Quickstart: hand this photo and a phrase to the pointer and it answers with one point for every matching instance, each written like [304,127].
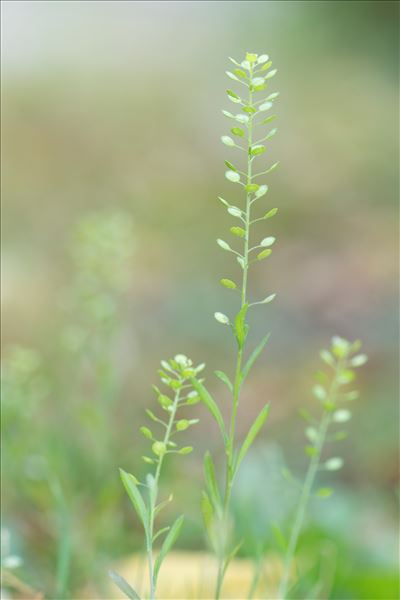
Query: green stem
[307,488]
[230,454]
[153,498]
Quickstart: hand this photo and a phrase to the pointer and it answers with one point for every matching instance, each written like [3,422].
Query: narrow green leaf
[208,517]
[123,585]
[211,405]
[279,536]
[129,483]
[211,480]
[223,377]
[168,543]
[254,355]
[241,328]
[160,532]
[253,431]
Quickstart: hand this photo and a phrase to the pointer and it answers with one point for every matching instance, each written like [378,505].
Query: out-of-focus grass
[111,107]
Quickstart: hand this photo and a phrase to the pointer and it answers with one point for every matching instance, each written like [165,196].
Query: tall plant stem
[153,498]
[307,488]
[230,456]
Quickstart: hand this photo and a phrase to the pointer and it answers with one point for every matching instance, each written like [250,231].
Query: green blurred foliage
[111,121]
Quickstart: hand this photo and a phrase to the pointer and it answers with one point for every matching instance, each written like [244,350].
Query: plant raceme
[248,137]
[333,393]
[176,375]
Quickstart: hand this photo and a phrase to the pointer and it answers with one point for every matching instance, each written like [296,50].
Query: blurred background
[111,168]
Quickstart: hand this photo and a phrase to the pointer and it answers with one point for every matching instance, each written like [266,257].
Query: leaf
[123,585]
[253,431]
[232,555]
[232,176]
[223,377]
[208,517]
[168,543]
[279,537]
[162,505]
[324,492]
[211,405]
[211,481]
[160,532]
[228,283]
[241,328]
[254,355]
[129,483]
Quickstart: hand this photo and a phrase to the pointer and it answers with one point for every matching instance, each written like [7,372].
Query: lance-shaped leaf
[254,355]
[123,586]
[129,483]
[207,511]
[168,543]
[211,405]
[253,431]
[241,327]
[211,481]
[224,377]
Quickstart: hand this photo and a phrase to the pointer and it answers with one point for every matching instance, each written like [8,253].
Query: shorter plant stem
[153,499]
[307,488]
